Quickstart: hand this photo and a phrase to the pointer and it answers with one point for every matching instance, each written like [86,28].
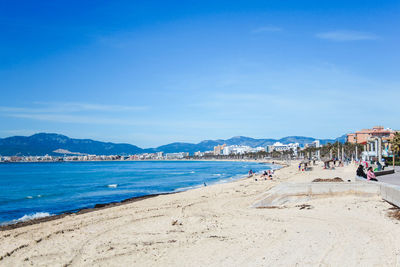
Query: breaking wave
[28,217]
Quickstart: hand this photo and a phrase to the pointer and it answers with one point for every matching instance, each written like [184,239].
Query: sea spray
[36,215]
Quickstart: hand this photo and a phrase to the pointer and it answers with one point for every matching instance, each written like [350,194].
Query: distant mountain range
[47,143]
[56,144]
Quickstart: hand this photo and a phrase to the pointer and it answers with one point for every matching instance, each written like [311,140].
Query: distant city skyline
[156,72]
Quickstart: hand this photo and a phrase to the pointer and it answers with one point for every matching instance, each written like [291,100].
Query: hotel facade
[361,137]
[375,141]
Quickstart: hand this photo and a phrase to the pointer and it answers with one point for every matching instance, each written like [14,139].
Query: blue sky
[155,72]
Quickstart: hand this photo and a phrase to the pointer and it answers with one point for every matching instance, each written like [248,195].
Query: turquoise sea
[33,190]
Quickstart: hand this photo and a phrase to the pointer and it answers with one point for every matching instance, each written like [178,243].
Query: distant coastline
[149,160]
[56,144]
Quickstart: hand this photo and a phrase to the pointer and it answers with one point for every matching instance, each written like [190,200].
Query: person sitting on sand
[371,175]
[360,172]
[264,175]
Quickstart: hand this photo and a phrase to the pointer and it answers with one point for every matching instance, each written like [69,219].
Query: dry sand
[215,226]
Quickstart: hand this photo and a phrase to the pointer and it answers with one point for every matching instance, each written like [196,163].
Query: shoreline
[147,160]
[98,206]
[217,226]
[101,206]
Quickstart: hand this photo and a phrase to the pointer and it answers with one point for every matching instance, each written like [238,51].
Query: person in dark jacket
[360,172]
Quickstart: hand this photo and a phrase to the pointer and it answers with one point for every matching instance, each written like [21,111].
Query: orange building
[361,137]
[218,149]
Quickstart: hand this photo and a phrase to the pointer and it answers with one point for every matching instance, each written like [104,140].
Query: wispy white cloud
[138,120]
[71,112]
[267,29]
[343,35]
[71,107]
[65,118]
[77,106]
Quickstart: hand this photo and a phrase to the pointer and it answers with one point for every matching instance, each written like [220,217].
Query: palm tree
[395,143]
[276,154]
[350,150]
[287,154]
[327,150]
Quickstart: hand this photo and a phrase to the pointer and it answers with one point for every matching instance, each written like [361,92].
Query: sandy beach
[216,226]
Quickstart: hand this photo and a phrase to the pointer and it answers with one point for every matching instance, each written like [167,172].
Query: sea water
[34,190]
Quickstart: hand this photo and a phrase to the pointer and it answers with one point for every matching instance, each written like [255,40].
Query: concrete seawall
[388,192]
[289,193]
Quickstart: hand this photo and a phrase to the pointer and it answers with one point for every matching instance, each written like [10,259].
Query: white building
[179,155]
[227,150]
[315,143]
[375,149]
[198,154]
[317,153]
[235,150]
[284,147]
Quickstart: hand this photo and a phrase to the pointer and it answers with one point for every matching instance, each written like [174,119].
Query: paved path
[391,178]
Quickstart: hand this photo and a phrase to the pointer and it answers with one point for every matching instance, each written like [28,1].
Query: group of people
[267,175]
[370,175]
[328,165]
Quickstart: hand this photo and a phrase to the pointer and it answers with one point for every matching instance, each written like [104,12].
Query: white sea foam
[30,197]
[181,173]
[112,185]
[36,215]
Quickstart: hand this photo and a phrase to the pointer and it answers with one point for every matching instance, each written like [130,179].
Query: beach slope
[216,226]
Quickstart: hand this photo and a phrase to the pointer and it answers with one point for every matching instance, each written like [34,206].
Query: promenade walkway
[389,186]
[393,179]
